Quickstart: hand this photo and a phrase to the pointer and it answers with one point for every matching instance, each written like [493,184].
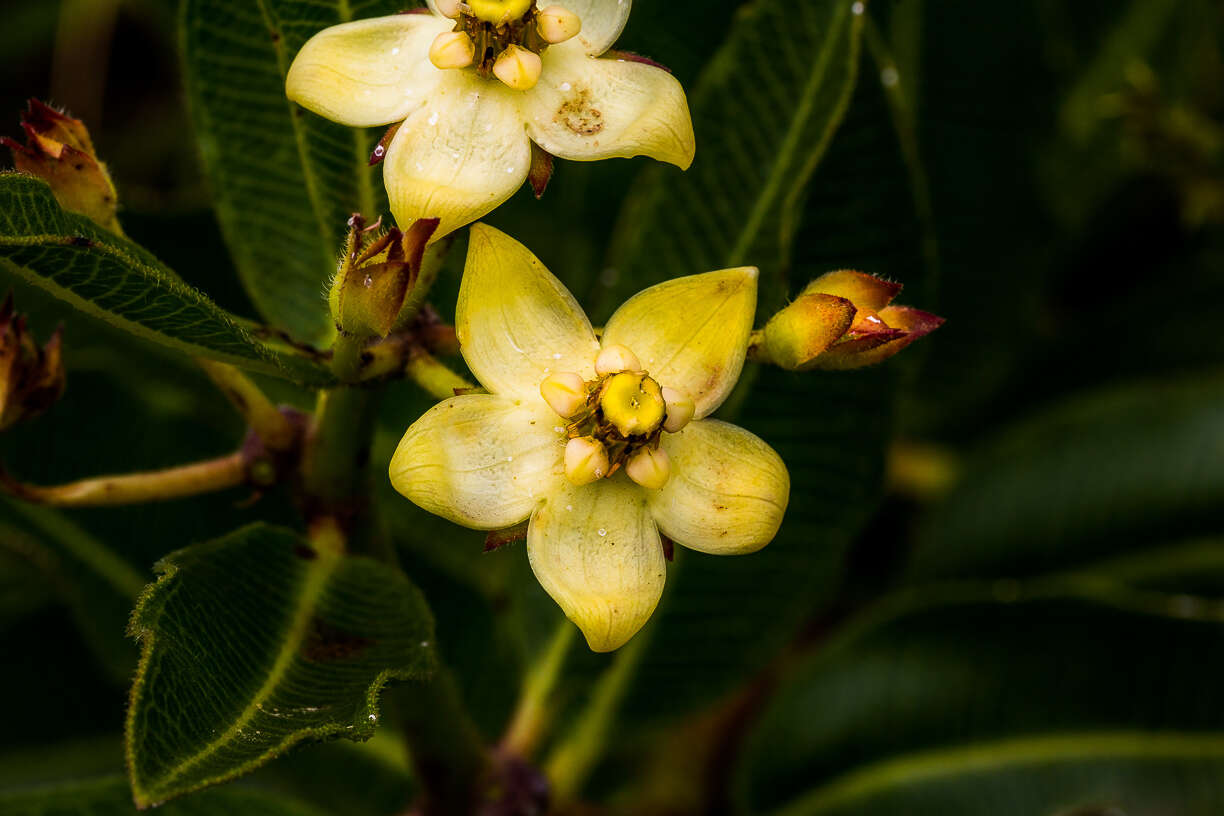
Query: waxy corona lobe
[488,461]
[469,118]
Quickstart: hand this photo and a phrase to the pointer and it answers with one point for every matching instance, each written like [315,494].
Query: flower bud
[59,151]
[680,409]
[518,68]
[586,459]
[565,392]
[448,8]
[557,24]
[452,49]
[649,467]
[867,292]
[499,11]
[903,326]
[797,335]
[31,379]
[374,281]
[616,358]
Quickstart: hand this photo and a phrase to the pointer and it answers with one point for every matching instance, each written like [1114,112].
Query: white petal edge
[458,156]
[515,321]
[480,460]
[586,109]
[691,333]
[367,72]
[727,493]
[597,553]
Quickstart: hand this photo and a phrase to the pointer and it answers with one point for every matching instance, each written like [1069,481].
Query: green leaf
[255,642]
[953,691]
[765,111]
[109,796]
[117,281]
[284,180]
[1109,471]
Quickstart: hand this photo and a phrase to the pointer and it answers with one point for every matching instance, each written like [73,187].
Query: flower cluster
[603,442]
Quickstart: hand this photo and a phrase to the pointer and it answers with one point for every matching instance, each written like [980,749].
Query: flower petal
[586,109]
[691,333]
[597,552]
[458,156]
[368,72]
[602,22]
[727,491]
[480,460]
[517,323]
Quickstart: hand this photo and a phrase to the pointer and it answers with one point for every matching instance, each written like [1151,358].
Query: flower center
[616,420]
[501,38]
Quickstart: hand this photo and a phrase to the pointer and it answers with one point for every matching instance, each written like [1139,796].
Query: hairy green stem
[535,710]
[136,488]
[264,418]
[572,761]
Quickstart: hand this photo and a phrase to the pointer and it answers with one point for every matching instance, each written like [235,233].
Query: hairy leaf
[117,281]
[944,690]
[256,642]
[109,796]
[284,180]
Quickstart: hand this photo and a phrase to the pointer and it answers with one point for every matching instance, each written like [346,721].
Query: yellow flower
[604,443]
[474,88]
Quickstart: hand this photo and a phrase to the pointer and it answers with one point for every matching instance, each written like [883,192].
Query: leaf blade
[254,643]
[284,180]
[118,282]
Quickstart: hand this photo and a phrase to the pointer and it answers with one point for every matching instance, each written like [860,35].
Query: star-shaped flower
[602,442]
[474,87]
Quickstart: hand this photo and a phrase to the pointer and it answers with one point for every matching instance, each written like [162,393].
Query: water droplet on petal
[602,532]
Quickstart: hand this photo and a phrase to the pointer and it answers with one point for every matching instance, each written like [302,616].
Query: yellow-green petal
[596,551]
[515,321]
[586,109]
[458,156]
[480,460]
[691,333]
[368,72]
[727,492]
[602,21]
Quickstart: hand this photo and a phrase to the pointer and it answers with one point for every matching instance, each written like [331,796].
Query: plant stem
[346,357]
[534,713]
[335,477]
[572,761]
[435,377]
[264,418]
[136,488]
[448,756]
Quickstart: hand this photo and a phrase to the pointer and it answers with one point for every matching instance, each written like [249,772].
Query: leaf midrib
[985,756]
[318,572]
[790,145]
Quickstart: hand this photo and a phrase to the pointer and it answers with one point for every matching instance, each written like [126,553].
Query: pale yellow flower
[604,443]
[464,145]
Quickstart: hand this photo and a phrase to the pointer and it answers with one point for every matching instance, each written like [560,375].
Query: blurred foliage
[1031,630]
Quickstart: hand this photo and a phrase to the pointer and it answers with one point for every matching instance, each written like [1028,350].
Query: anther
[557,24]
[518,68]
[586,459]
[498,12]
[452,49]
[679,409]
[616,358]
[449,8]
[649,467]
[565,392]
